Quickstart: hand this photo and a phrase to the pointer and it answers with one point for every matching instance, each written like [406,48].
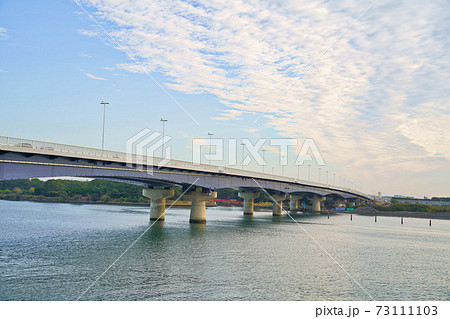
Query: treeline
[229,193]
[397,207]
[69,190]
[447,199]
[59,190]
[97,190]
[438,199]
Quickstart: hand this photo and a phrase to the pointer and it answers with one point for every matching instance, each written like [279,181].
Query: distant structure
[411,200]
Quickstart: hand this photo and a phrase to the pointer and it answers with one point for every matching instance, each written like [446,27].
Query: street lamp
[264,162]
[327,177]
[163,124]
[309,172]
[282,166]
[320,170]
[334,179]
[298,172]
[104,115]
[210,146]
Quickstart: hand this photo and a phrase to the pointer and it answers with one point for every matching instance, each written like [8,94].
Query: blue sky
[376,102]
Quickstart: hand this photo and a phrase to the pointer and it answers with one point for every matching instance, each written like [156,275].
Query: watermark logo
[214,149]
[147,150]
[142,150]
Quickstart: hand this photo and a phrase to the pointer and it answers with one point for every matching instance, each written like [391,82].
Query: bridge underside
[159,182]
[15,165]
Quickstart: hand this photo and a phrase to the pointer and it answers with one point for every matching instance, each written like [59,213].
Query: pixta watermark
[149,149]
[218,149]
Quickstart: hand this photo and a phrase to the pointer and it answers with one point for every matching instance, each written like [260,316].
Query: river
[57,251]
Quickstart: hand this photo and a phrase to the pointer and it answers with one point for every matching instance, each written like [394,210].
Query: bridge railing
[144,160]
[58,147]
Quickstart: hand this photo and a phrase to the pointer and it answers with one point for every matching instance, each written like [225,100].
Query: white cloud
[2,71]
[88,33]
[374,101]
[89,75]
[3,34]
[229,115]
[428,127]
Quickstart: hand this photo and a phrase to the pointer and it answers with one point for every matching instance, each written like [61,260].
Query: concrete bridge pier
[293,204]
[248,197]
[158,198]
[316,200]
[277,200]
[198,206]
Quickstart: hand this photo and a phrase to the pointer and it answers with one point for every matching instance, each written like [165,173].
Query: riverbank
[369,211]
[177,204]
[80,202]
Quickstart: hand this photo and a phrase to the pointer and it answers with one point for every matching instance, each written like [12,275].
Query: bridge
[23,159]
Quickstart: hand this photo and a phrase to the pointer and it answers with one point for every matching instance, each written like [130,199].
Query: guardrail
[66,149]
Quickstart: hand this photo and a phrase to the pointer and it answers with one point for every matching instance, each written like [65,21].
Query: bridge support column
[293,204]
[248,201]
[198,206]
[158,198]
[277,199]
[316,200]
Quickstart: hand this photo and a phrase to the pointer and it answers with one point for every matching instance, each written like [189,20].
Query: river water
[57,251]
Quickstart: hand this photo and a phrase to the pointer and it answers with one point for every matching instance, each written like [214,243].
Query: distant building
[386,199]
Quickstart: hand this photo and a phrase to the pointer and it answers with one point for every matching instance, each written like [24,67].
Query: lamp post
[327,177]
[104,116]
[210,146]
[309,172]
[298,172]
[163,124]
[334,179]
[282,166]
[320,170]
[264,161]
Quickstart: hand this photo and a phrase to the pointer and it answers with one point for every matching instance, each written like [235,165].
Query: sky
[367,81]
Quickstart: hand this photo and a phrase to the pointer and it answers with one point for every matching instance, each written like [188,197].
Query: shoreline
[369,211]
[363,211]
[142,204]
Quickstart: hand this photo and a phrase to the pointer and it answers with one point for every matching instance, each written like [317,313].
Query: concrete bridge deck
[22,158]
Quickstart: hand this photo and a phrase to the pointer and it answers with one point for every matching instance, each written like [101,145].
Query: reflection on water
[55,251]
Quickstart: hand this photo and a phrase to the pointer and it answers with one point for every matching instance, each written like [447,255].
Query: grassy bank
[399,207]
